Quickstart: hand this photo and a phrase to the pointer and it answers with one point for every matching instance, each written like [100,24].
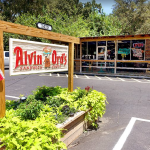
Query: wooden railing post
[116,50]
[2,83]
[70,67]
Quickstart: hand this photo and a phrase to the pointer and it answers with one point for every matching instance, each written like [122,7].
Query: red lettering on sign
[19,56]
[39,59]
[62,58]
[34,57]
[54,57]
[30,56]
[138,45]
[25,53]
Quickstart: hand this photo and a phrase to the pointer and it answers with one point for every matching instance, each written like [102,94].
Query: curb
[108,75]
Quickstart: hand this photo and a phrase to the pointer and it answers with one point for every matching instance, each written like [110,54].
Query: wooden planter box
[73,127]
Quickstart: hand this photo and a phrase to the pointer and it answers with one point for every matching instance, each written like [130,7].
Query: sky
[106,5]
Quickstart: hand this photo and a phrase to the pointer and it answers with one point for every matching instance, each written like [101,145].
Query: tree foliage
[72,17]
[131,13]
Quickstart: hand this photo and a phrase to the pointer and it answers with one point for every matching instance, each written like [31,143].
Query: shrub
[29,110]
[32,124]
[43,92]
[11,104]
[38,134]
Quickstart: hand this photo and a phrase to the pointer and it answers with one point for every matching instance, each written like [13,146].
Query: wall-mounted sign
[125,51]
[138,45]
[44,26]
[27,57]
[137,52]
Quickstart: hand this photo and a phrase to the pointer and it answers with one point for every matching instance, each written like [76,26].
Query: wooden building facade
[113,54]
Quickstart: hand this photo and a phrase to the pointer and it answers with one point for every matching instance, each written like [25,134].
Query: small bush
[29,110]
[10,104]
[43,92]
[32,124]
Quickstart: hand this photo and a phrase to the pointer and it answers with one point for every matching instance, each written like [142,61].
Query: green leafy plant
[96,103]
[32,124]
[29,110]
[10,104]
[43,92]
[38,134]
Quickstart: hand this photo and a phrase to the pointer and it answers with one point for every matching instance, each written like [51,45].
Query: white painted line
[147,80]
[42,75]
[58,75]
[87,77]
[76,76]
[136,80]
[66,75]
[98,77]
[50,74]
[108,78]
[126,133]
[121,79]
[12,97]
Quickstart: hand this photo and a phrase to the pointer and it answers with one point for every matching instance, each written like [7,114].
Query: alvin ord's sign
[27,57]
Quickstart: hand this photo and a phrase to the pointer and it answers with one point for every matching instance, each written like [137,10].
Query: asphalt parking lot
[125,125]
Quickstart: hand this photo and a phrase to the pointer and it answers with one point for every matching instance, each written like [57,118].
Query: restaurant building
[113,54]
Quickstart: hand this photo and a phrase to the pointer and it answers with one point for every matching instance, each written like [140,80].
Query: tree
[130,14]
[101,24]
[91,7]
[13,8]
[145,27]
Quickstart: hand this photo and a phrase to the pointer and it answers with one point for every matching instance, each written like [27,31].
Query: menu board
[147,50]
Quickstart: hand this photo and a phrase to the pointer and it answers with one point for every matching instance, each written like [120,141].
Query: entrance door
[101,55]
[101,52]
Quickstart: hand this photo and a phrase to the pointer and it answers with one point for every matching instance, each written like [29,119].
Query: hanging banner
[28,57]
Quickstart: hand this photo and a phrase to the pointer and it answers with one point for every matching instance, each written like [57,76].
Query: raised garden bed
[38,123]
[73,127]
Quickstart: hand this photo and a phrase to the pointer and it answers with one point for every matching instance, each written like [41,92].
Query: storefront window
[110,50]
[102,43]
[137,49]
[77,51]
[84,49]
[124,50]
[91,50]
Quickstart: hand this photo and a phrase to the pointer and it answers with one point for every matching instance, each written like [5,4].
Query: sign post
[2,82]
[30,31]
[71,67]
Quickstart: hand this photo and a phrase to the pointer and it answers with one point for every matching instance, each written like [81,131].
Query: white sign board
[27,57]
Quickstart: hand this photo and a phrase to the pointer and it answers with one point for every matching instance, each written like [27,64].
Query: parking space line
[126,133]
[147,80]
[98,77]
[50,74]
[87,77]
[136,80]
[12,97]
[76,76]
[66,75]
[108,78]
[58,74]
[121,79]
